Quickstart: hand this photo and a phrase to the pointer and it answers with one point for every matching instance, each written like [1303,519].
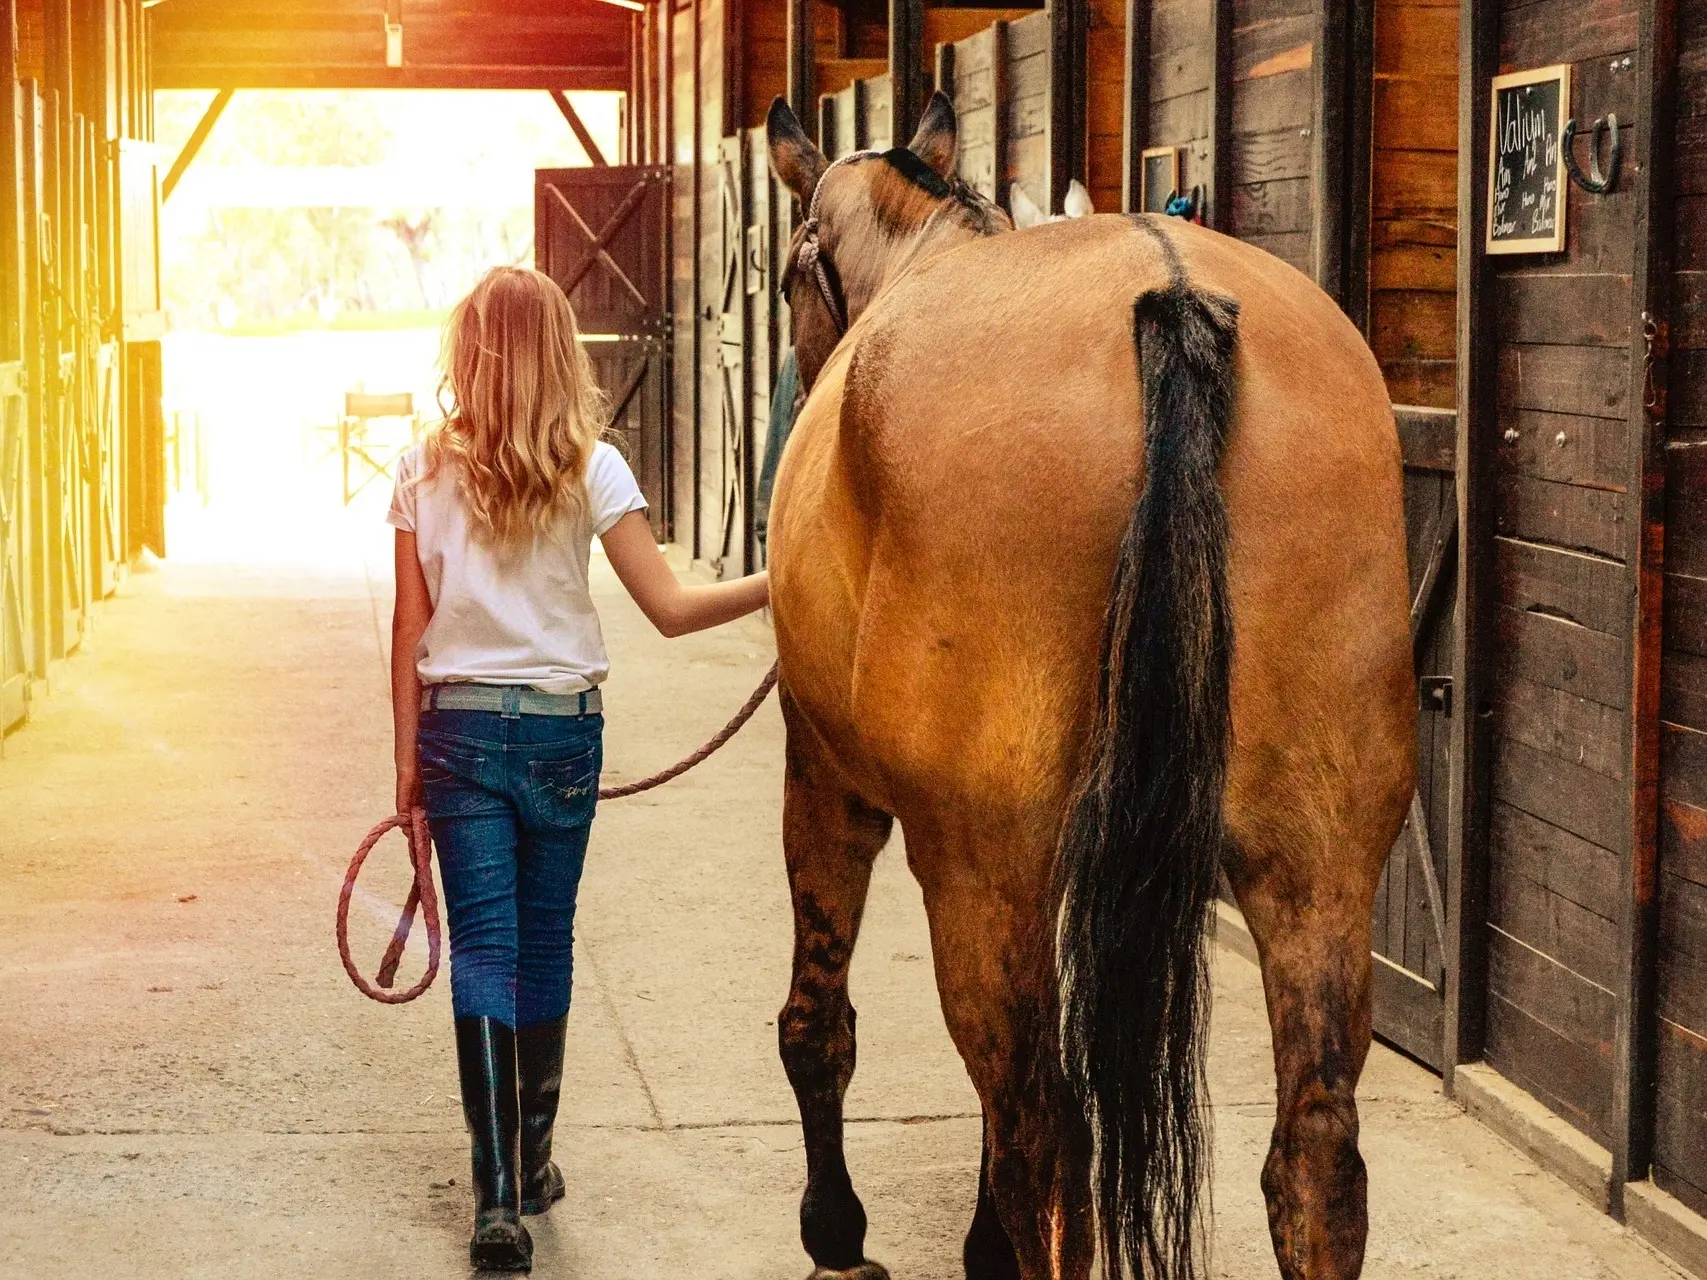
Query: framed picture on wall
[1158,178]
[1526,161]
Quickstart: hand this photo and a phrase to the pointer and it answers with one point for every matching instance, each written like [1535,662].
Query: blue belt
[509,700]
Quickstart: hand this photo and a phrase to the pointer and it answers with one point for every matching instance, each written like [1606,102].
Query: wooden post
[802,95]
[1135,127]
[1329,147]
[1068,20]
[56,51]
[1472,716]
[945,68]
[1359,178]
[1220,116]
[1649,171]
[906,68]
[11,252]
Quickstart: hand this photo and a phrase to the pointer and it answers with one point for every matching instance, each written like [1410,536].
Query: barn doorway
[309,257]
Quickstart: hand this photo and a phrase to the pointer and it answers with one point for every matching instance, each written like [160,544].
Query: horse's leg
[988,1253]
[998,998]
[830,839]
[1316,977]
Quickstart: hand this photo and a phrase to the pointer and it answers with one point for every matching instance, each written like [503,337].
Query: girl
[496,662]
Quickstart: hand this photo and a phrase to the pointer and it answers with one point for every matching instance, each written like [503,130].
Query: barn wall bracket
[193,145]
[582,134]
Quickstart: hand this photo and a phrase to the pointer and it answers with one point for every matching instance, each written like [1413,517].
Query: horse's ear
[1025,210]
[1078,202]
[936,141]
[794,156]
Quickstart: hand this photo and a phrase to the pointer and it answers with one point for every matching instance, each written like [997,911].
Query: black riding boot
[486,1063]
[539,1071]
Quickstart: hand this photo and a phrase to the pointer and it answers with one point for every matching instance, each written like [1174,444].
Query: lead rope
[421,894]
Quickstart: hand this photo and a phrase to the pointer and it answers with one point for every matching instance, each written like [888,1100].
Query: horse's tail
[1141,846]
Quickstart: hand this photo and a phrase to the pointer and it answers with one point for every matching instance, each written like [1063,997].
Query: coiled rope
[423,898]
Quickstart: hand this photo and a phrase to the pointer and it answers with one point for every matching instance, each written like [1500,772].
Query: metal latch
[1434,693]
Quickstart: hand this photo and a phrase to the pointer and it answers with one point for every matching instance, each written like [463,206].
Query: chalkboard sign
[1526,161]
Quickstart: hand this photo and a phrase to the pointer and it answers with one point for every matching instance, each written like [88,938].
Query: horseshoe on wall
[1596,182]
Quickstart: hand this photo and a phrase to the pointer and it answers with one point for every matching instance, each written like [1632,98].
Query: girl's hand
[408,788]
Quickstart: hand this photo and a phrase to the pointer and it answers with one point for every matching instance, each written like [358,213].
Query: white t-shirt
[527,619]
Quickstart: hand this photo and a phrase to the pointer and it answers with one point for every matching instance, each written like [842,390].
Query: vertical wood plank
[1217,205]
[801,91]
[1477,466]
[1135,126]
[11,252]
[1359,141]
[1329,174]
[1650,174]
[1002,105]
[906,66]
[1068,100]
[945,68]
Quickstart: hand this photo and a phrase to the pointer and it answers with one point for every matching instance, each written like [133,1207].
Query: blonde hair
[524,410]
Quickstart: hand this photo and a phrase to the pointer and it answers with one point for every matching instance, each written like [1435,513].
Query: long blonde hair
[524,410]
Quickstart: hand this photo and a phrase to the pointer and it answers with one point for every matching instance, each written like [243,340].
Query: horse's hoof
[867,1270]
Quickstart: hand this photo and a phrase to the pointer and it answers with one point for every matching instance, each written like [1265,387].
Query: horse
[1088,568]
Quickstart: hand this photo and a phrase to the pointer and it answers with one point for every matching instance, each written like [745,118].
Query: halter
[811,255]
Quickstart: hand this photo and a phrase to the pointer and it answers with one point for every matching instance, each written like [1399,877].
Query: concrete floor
[190,1087]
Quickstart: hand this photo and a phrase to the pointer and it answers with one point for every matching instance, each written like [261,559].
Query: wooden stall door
[600,233]
[724,473]
[762,235]
[107,468]
[1680,1122]
[1559,820]
[1408,930]
[1271,170]
[16,629]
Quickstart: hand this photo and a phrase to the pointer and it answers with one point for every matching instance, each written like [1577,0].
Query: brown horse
[1089,568]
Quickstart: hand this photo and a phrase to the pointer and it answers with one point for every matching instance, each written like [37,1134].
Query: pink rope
[421,894]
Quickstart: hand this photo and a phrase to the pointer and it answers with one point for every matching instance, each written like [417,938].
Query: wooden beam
[1135,124]
[582,135]
[906,68]
[802,94]
[11,251]
[1476,468]
[193,143]
[611,77]
[1649,170]
[1215,192]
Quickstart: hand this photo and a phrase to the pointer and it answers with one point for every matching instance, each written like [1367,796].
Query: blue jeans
[510,800]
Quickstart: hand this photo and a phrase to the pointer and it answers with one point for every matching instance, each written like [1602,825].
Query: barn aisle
[189,1086]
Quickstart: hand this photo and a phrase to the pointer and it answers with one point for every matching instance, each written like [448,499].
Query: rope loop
[423,898]
[421,895]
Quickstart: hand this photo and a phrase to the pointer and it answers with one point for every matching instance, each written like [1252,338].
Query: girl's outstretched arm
[673,607]
[410,615]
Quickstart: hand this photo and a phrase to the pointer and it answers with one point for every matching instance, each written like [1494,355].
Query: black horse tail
[1140,849]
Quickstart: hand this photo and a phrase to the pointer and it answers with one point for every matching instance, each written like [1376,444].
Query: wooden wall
[1561,806]
[1105,71]
[1180,84]
[1414,200]
[1680,1155]
[1273,118]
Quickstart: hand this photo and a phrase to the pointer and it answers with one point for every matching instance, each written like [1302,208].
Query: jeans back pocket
[565,792]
